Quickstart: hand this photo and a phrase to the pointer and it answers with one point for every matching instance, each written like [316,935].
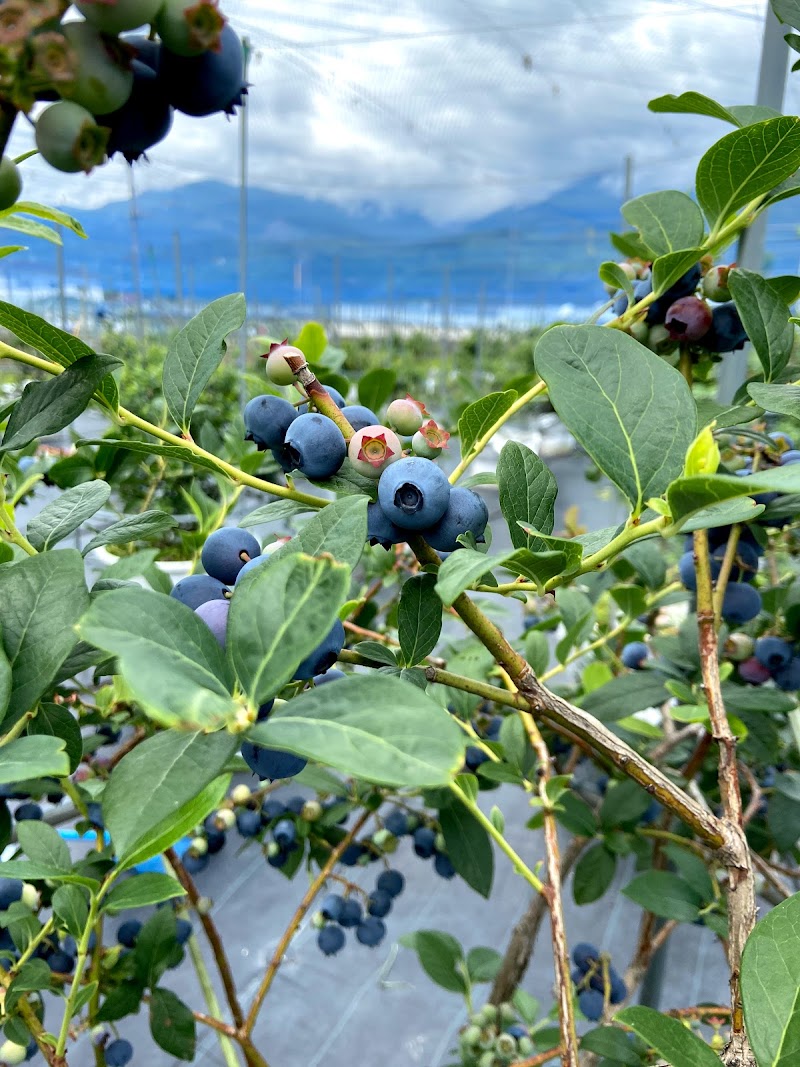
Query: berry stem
[297,918]
[17,728]
[485,438]
[210,997]
[725,571]
[736,854]
[322,399]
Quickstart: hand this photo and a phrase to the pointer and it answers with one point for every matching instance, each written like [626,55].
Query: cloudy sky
[454,108]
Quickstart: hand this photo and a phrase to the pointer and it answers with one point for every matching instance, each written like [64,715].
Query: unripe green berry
[440,844]
[385,840]
[30,896]
[12,1054]
[507,1013]
[717,1042]
[278,370]
[506,1045]
[204,905]
[739,647]
[318,920]
[487,1014]
[273,848]
[240,794]
[487,1059]
[471,1036]
[405,416]
[429,441]
[715,284]
[659,340]
[639,331]
[525,1046]
[312,810]
[10,183]
[199,846]
[69,139]
[225,818]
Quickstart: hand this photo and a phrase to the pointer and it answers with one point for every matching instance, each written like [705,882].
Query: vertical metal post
[62,296]
[446,355]
[243,173]
[176,247]
[136,273]
[628,178]
[750,251]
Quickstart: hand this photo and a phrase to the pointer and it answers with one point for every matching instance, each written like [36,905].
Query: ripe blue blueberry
[424,842]
[119,1053]
[371,932]
[466,513]
[143,120]
[10,892]
[741,603]
[251,565]
[443,866]
[782,440]
[315,446]
[474,757]
[380,528]
[214,614]
[61,963]
[396,822]
[270,763]
[584,954]
[413,493]
[284,833]
[226,551]
[331,675]
[183,931]
[745,563]
[272,809]
[590,1001]
[773,652]
[335,396]
[379,903]
[358,416]
[248,822]
[390,882]
[215,836]
[788,677]
[193,864]
[128,932]
[28,812]
[727,332]
[517,1030]
[352,854]
[202,85]
[296,804]
[324,655]
[791,455]
[351,914]
[277,856]
[330,940]
[331,907]
[618,991]
[197,589]
[634,654]
[266,420]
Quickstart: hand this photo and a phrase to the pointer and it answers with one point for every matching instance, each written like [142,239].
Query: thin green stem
[725,570]
[519,864]
[43,934]
[212,1003]
[17,728]
[83,954]
[485,438]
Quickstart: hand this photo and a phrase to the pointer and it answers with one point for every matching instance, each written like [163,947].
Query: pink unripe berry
[406,415]
[372,449]
[688,319]
[278,370]
[715,284]
[429,441]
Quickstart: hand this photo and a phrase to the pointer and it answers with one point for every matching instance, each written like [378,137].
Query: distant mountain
[313,253]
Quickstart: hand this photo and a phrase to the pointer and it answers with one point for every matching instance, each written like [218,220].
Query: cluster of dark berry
[595,980]
[338,913]
[682,316]
[427,841]
[494,1037]
[112,91]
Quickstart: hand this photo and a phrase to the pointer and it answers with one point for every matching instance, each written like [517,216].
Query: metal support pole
[243,171]
[750,251]
[136,273]
[62,296]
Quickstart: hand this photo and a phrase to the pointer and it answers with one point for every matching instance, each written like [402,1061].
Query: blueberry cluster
[427,841]
[595,980]
[494,1037]
[110,90]
[338,913]
[683,316]
[772,658]
[742,601]
[414,495]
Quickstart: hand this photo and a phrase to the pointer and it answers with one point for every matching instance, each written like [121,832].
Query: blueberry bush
[646,705]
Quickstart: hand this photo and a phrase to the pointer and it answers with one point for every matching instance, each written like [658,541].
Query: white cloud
[454,108]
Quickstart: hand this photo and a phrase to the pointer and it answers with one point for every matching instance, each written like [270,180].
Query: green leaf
[419,618]
[134,528]
[483,964]
[537,651]
[152,448]
[280,614]
[749,114]
[277,511]
[527,494]
[724,415]
[50,214]
[784,399]
[6,682]
[49,406]
[43,845]
[56,521]
[441,957]
[375,387]
[786,286]
[30,228]
[312,341]
[770,983]
[32,976]
[369,726]
[787,11]
[612,1043]
[468,847]
[480,416]
[594,873]
[667,222]
[120,1002]
[459,571]
[141,890]
[43,597]
[576,815]
[688,495]
[664,894]
[626,694]
[783,821]
[71,907]
[669,1037]
[61,347]
[631,411]
[154,781]
[377,652]
[692,869]
[172,1025]
[339,529]
[765,318]
[169,658]
[746,164]
[613,275]
[196,352]
[667,269]
[156,947]
[623,804]
[28,871]
[692,103]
